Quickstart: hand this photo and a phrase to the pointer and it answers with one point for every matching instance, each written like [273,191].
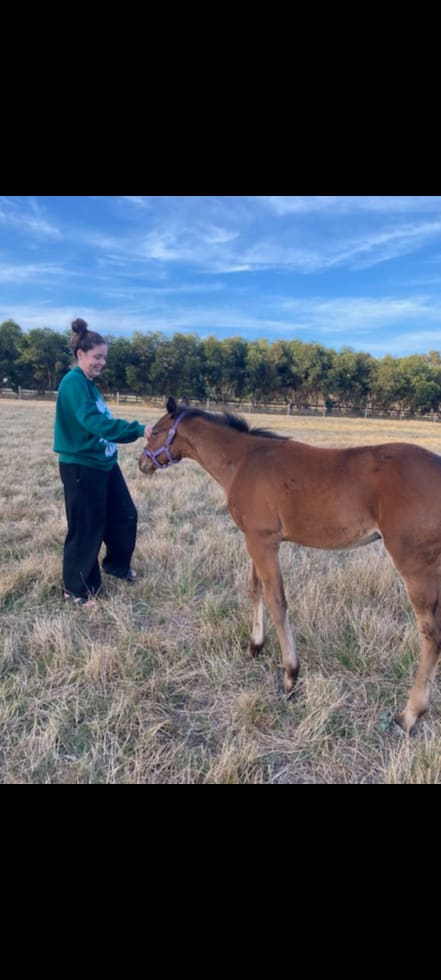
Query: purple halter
[165,448]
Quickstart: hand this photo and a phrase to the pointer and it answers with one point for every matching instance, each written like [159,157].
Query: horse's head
[157,454]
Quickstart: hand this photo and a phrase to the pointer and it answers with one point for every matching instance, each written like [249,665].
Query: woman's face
[92,361]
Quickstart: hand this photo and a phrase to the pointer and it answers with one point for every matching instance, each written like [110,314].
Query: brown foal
[281,490]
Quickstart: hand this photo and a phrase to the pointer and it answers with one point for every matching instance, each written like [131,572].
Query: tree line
[286,371]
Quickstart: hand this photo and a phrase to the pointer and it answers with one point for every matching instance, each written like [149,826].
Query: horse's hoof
[400,722]
[255,648]
[396,730]
[289,686]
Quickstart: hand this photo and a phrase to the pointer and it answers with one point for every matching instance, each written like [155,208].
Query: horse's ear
[171,407]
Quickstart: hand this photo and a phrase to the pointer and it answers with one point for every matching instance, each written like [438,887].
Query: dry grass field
[155,685]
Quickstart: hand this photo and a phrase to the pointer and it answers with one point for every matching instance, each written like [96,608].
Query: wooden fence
[244,407]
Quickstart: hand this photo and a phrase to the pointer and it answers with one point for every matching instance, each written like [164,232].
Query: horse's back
[409,467]
[336,498]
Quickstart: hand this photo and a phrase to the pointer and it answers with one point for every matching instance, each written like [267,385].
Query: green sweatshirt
[85,431]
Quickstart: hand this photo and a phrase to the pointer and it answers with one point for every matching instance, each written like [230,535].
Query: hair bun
[79,326]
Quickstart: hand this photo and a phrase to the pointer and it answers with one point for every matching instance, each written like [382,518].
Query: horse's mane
[226,419]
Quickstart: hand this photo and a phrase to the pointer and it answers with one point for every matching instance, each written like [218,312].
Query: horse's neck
[217,448]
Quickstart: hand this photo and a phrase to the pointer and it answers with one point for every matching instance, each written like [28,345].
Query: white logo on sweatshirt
[103,408]
[110,447]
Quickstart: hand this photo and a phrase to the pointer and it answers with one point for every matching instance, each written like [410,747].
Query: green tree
[224,367]
[45,353]
[313,366]
[287,377]
[119,358]
[139,372]
[387,384]
[11,345]
[261,374]
[235,366]
[421,381]
[178,367]
[352,377]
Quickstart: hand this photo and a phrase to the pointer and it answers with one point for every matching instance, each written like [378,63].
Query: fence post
[19,391]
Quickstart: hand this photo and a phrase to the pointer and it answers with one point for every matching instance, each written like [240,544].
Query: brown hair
[85,339]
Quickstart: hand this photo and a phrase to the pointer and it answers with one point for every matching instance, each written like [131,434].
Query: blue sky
[358,271]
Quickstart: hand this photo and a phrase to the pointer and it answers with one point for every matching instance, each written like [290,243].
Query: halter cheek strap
[165,448]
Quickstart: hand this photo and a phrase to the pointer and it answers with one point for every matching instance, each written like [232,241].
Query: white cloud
[343,205]
[24,214]
[140,202]
[42,273]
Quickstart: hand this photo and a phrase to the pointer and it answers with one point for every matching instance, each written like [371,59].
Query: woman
[98,504]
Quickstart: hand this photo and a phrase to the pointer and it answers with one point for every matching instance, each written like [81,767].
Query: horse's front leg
[255,589]
[264,553]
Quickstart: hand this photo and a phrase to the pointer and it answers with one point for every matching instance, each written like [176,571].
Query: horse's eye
[154,432]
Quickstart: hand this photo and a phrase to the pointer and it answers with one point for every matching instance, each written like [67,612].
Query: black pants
[98,508]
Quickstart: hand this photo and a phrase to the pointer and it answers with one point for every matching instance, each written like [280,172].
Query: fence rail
[28,393]
[247,407]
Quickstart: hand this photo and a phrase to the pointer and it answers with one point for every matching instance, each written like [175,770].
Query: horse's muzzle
[146,465]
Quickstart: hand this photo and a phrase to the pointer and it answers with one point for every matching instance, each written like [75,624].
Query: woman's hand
[147,432]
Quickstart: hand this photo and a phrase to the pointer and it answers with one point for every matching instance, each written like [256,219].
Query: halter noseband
[165,448]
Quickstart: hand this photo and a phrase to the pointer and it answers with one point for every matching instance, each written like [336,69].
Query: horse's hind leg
[255,589]
[425,595]
[265,558]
